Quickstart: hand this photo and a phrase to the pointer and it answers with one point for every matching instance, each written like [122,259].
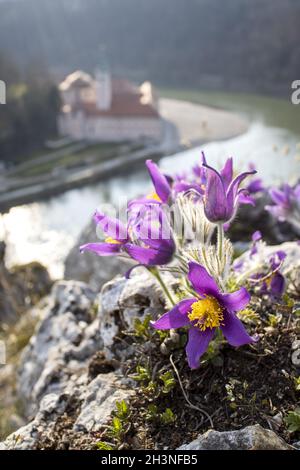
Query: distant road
[197,124]
[48,157]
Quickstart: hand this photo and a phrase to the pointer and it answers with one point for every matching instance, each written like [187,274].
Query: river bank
[184,125]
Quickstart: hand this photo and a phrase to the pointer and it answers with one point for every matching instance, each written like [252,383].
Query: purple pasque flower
[255,186]
[150,248]
[161,183]
[166,187]
[256,237]
[286,203]
[208,310]
[275,284]
[272,284]
[197,185]
[200,172]
[222,193]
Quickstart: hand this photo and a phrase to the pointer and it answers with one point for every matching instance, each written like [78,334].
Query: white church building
[102,108]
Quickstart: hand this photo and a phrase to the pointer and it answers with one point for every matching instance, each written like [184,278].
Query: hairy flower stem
[156,274]
[220,241]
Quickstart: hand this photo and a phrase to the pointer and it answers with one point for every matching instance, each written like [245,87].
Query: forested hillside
[233,44]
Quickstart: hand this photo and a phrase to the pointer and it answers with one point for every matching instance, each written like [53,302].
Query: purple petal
[256,236]
[102,249]
[148,201]
[160,182]
[148,256]
[255,186]
[203,158]
[233,189]
[281,254]
[128,273]
[277,285]
[227,173]
[111,226]
[184,187]
[202,282]
[279,197]
[197,345]
[234,331]
[215,203]
[236,301]
[297,192]
[175,318]
[161,244]
[279,212]
[245,198]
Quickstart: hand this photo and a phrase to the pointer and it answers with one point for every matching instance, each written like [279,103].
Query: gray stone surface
[75,325]
[63,343]
[89,268]
[54,371]
[291,264]
[250,438]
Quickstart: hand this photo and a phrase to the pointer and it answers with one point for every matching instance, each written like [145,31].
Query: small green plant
[152,412]
[123,410]
[142,327]
[232,284]
[104,446]
[274,320]
[142,374]
[168,380]
[237,394]
[248,315]
[151,389]
[167,417]
[297,383]
[120,422]
[292,420]
[230,390]
[288,301]
[116,429]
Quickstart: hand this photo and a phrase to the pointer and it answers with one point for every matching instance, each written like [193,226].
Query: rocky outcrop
[89,268]
[20,288]
[290,265]
[250,438]
[70,378]
[63,368]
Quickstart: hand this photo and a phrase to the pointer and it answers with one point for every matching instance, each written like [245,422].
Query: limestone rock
[89,268]
[100,400]
[54,374]
[250,438]
[290,265]
[121,301]
[20,288]
[64,340]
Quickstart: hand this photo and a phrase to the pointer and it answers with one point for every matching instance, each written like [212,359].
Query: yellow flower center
[112,241]
[207,312]
[154,196]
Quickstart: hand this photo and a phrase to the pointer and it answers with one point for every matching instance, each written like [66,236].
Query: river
[46,231]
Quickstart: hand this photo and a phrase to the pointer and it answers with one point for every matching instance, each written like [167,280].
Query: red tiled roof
[121,85]
[123,105]
[126,100]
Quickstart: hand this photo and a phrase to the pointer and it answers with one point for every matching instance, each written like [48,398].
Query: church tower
[103,85]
